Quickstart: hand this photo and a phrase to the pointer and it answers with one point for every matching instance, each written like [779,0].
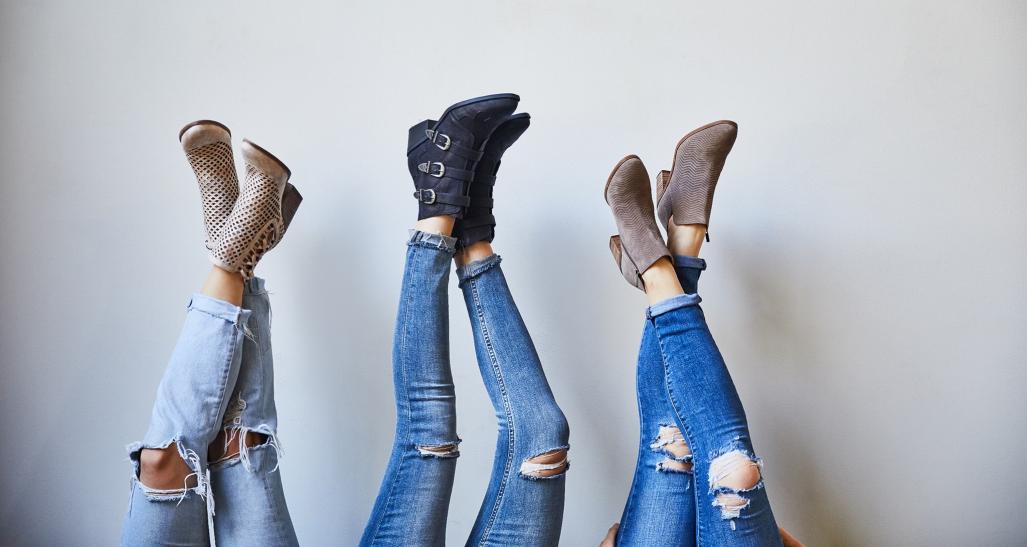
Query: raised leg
[524,502]
[247,483]
[413,501]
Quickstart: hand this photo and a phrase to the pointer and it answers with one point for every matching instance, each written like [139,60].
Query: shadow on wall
[815,508]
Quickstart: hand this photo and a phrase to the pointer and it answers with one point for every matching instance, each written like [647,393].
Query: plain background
[866,278]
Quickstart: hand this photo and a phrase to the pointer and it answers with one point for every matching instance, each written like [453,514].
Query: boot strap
[478,221]
[482,201]
[439,170]
[429,196]
[446,144]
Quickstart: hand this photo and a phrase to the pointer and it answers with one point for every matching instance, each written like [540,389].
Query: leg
[171,486]
[660,510]
[524,502]
[661,504]
[244,470]
[731,501]
[413,502]
[171,500]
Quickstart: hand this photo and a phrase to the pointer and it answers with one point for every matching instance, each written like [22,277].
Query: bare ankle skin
[436,225]
[224,285]
[685,239]
[661,281]
[474,252]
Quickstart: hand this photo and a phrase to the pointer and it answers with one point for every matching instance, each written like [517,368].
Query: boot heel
[627,268]
[662,180]
[291,199]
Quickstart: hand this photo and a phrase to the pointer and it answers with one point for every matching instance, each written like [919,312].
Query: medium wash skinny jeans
[220,376]
[413,502]
[686,396]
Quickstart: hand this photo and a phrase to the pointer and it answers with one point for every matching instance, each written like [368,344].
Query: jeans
[220,377]
[520,507]
[693,435]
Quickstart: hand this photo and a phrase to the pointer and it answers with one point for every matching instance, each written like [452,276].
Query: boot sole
[609,179]
[202,122]
[288,172]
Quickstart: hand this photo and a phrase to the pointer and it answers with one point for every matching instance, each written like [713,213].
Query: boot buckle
[420,193]
[435,135]
[427,166]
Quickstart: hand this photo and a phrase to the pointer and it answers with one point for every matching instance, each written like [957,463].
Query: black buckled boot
[478,223]
[442,155]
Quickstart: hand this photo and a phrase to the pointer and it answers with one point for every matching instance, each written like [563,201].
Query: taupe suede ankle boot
[257,222]
[686,192]
[639,244]
[208,147]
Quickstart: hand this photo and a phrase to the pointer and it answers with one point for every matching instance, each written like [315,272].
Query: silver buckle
[426,168]
[420,196]
[434,136]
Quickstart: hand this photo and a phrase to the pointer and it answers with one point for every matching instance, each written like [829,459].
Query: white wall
[866,277]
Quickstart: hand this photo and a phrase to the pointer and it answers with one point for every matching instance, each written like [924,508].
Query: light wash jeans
[685,395]
[519,508]
[220,376]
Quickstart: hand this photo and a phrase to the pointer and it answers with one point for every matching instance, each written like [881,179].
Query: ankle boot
[639,243]
[478,223]
[208,147]
[686,192]
[257,221]
[441,156]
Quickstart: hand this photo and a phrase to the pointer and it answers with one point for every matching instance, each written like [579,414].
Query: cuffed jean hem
[689,262]
[432,241]
[219,308]
[671,304]
[255,285]
[476,268]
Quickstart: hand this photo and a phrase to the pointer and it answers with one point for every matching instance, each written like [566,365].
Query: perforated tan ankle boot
[256,223]
[208,147]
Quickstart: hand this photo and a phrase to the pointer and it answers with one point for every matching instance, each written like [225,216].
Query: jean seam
[406,387]
[686,431]
[511,445]
[223,384]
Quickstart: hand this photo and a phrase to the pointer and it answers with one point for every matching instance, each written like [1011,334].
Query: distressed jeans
[521,507]
[694,435]
[220,377]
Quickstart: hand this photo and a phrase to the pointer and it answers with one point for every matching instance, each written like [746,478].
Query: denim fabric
[413,501]
[518,510]
[683,381]
[216,355]
[251,508]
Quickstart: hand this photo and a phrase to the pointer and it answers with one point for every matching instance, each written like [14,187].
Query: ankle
[685,239]
[661,281]
[442,224]
[224,285]
[474,252]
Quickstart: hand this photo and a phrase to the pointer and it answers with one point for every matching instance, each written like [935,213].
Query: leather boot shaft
[442,156]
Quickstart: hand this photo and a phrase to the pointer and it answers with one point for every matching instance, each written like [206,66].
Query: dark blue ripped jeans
[694,437]
[522,507]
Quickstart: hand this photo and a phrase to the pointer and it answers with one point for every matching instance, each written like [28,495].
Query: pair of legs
[212,440]
[523,505]
[696,480]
